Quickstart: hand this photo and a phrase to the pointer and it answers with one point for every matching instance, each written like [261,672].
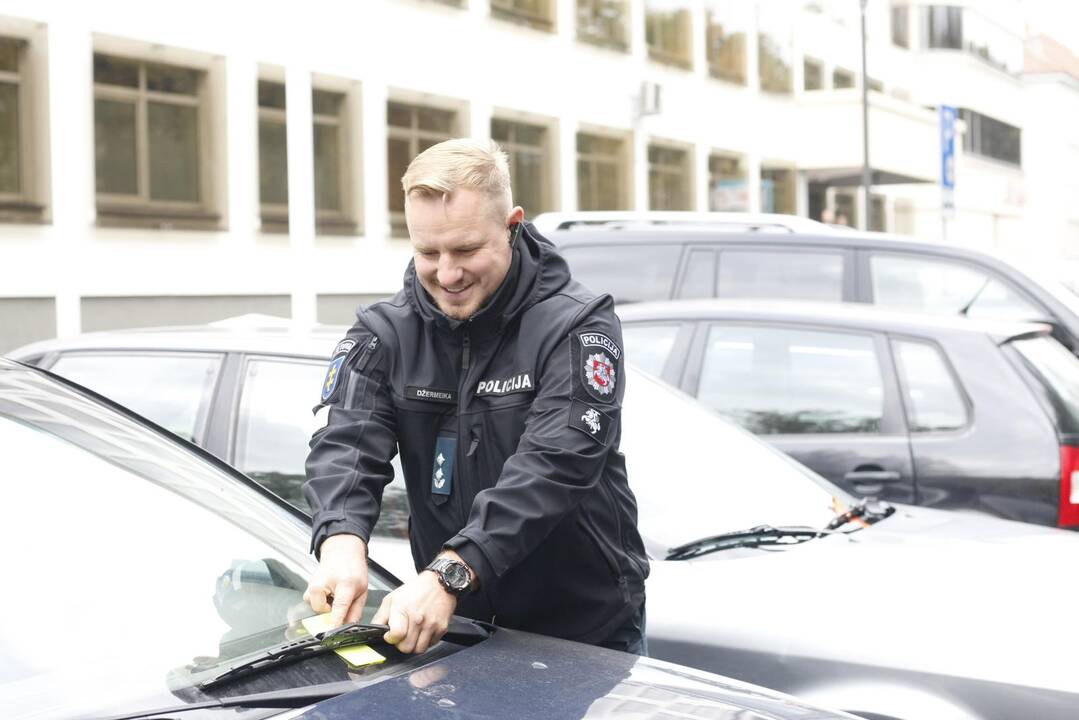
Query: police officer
[500,380]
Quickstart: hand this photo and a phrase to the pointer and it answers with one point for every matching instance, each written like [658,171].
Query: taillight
[1069,486]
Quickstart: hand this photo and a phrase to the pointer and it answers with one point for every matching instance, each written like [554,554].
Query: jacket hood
[536,273]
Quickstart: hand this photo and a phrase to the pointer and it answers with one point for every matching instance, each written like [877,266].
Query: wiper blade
[323,642]
[753,537]
[460,633]
[869,509]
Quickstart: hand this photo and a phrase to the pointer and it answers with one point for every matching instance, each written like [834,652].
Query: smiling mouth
[459,291]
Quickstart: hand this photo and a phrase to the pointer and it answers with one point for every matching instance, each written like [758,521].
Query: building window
[669,173]
[148,136]
[537,14]
[603,22]
[991,138]
[273,156]
[901,25]
[11,141]
[601,173]
[813,75]
[412,129]
[944,27]
[775,49]
[777,190]
[725,38]
[728,187]
[668,31]
[527,148]
[842,79]
[874,85]
[330,147]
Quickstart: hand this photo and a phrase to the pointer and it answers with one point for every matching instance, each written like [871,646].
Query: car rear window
[1058,370]
[630,273]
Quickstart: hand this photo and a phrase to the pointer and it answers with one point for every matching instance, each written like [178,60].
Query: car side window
[274,426]
[780,380]
[603,269]
[781,273]
[699,278]
[649,346]
[932,398]
[172,390]
[942,287]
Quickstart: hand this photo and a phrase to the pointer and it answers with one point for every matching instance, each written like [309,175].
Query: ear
[517,215]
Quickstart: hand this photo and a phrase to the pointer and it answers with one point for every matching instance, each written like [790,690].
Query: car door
[826,396]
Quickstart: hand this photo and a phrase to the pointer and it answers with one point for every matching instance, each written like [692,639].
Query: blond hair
[461,163]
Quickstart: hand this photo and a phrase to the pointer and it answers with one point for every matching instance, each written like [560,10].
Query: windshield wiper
[751,538]
[869,509]
[467,633]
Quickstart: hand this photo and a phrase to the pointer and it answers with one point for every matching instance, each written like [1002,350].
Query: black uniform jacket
[508,427]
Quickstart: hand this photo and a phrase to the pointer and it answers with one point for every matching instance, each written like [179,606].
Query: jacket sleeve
[348,465]
[571,429]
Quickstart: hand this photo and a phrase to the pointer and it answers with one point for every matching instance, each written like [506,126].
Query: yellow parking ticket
[357,656]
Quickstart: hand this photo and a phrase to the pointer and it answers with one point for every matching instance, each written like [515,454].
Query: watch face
[456,576]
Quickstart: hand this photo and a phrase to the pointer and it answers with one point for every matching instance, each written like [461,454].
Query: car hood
[520,675]
[925,590]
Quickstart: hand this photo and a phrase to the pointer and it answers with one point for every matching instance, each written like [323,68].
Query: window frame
[682,172]
[21,198]
[543,151]
[142,203]
[893,418]
[274,216]
[904,389]
[620,43]
[507,10]
[413,135]
[620,164]
[849,291]
[715,177]
[682,56]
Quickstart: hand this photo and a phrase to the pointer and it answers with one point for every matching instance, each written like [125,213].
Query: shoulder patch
[340,356]
[596,365]
[592,422]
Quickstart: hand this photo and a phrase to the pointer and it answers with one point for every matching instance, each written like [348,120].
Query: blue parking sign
[948,116]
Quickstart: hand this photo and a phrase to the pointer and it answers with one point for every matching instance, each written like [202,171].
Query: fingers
[355,612]
[399,627]
[344,595]
[316,595]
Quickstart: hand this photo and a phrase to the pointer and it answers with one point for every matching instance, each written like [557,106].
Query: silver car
[898,612]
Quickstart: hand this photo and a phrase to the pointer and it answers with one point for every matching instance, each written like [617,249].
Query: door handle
[871,482]
[872,476]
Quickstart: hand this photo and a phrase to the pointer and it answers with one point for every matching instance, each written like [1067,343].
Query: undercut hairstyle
[442,169]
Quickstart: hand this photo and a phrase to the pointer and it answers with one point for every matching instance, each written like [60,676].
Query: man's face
[461,247]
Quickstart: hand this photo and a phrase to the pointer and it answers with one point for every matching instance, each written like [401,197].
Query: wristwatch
[453,574]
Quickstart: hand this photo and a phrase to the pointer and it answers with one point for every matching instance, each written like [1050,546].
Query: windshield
[696,474]
[164,568]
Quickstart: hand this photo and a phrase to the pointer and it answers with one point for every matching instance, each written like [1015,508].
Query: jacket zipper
[466,361]
[618,523]
[365,356]
[604,551]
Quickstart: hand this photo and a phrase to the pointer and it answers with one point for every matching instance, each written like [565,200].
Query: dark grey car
[946,412]
[638,262]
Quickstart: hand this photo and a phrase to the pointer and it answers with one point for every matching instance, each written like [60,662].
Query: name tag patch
[595,339]
[442,472]
[413,392]
[592,422]
[521,382]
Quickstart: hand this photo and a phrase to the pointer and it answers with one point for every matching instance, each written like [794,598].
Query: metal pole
[867,178]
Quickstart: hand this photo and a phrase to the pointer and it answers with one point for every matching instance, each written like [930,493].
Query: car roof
[622,219]
[253,334]
[859,316]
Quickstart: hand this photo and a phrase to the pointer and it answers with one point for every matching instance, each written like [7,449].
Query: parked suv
[664,256]
[948,412]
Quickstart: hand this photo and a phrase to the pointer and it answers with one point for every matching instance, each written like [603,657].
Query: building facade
[166,166]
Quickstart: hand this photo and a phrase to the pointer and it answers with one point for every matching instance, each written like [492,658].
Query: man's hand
[342,575]
[418,612]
